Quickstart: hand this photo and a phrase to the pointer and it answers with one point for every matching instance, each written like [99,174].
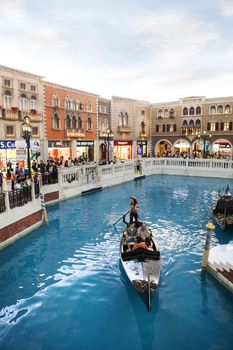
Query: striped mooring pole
[210,227]
[44,211]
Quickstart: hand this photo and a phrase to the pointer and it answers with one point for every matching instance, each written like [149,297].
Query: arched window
[74,122]
[80,123]
[23,102]
[106,125]
[56,121]
[143,127]
[89,122]
[198,123]
[55,101]
[68,122]
[73,104]
[212,110]
[67,103]
[227,109]
[33,103]
[185,124]
[126,119]
[198,110]
[88,106]
[191,123]
[191,111]
[7,99]
[160,113]
[171,113]
[220,109]
[166,113]
[185,111]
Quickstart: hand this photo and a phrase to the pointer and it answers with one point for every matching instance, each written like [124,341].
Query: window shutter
[222,126]
[208,126]
[230,126]
[164,126]
[157,128]
[168,127]
[174,127]
[216,126]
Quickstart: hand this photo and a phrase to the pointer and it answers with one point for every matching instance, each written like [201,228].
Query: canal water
[62,287]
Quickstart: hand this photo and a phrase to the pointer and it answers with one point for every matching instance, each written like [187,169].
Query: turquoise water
[61,287]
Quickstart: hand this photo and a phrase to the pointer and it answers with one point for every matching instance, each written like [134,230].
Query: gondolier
[133,217]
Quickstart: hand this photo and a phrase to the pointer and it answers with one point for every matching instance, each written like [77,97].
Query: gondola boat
[142,268]
[223,210]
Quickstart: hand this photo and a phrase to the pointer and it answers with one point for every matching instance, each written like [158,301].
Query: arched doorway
[181,148]
[102,154]
[222,149]
[163,148]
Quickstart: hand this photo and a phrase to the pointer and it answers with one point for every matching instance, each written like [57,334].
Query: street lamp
[204,137]
[108,135]
[26,128]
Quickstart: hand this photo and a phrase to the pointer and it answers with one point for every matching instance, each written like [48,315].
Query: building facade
[21,94]
[70,123]
[105,133]
[193,126]
[131,124]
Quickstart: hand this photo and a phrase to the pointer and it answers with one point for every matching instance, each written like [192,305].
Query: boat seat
[140,255]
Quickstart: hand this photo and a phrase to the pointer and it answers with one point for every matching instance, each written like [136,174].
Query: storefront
[85,150]
[122,150]
[142,148]
[12,152]
[58,149]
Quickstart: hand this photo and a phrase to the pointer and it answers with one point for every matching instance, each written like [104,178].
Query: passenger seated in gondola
[149,245]
[130,233]
[139,244]
[143,231]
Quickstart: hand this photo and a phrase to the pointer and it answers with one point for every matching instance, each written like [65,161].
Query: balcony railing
[124,128]
[79,133]
[2,203]
[19,197]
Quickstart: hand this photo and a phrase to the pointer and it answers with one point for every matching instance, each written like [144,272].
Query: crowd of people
[194,155]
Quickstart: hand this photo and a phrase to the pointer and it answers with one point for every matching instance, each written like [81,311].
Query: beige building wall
[13,84]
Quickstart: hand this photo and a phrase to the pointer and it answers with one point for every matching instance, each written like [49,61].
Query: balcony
[143,135]
[77,133]
[124,129]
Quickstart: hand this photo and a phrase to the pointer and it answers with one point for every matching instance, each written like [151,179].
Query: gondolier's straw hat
[133,197]
[210,226]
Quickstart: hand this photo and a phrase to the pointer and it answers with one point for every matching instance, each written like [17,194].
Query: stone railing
[74,180]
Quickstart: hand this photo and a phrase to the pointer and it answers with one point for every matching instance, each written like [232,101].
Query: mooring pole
[210,227]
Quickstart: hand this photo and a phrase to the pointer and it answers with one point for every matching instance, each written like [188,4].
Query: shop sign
[141,143]
[123,143]
[21,154]
[58,144]
[7,144]
[85,143]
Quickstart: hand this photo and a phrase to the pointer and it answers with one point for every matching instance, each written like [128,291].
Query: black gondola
[142,268]
[223,210]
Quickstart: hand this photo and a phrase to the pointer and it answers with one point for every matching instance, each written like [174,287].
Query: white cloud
[226,7]
[12,10]
[173,37]
[44,38]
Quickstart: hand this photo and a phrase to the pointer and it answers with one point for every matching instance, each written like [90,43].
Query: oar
[121,217]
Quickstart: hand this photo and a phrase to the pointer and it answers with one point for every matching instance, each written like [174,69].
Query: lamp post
[204,137]
[26,128]
[108,135]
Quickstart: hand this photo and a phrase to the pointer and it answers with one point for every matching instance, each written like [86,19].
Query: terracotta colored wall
[19,226]
[49,90]
[51,196]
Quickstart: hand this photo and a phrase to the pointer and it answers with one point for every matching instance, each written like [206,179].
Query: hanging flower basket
[14,109]
[32,111]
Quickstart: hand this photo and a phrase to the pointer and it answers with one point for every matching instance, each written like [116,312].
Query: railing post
[7,202]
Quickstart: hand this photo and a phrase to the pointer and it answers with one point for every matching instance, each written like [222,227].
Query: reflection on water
[66,276]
